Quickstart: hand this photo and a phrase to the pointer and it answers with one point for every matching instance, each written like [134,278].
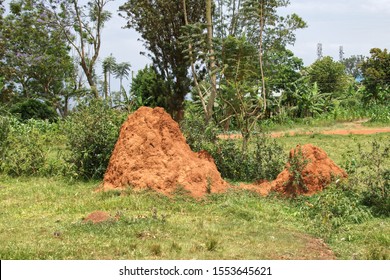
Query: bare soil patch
[97,217]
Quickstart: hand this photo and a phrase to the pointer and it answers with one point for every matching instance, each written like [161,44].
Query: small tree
[148,88]
[376,74]
[240,90]
[329,75]
[160,26]
[353,66]
[35,60]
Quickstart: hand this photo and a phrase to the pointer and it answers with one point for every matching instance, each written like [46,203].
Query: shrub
[91,132]
[4,132]
[21,150]
[377,195]
[380,114]
[198,134]
[372,174]
[264,160]
[336,206]
[296,164]
[33,109]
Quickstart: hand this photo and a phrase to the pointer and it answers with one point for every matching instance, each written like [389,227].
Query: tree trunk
[105,86]
[261,11]
[212,64]
[245,140]
[190,53]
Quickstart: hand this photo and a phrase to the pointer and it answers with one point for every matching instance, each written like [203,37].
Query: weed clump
[371,173]
[296,165]
[21,148]
[333,208]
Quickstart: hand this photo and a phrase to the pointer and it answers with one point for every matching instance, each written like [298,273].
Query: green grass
[373,115]
[42,219]
[338,147]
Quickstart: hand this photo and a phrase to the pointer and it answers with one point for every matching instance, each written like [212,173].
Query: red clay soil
[319,172]
[151,152]
[97,217]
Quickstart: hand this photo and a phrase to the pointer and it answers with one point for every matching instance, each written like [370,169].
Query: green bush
[22,149]
[296,164]
[334,207]
[374,175]
[369,171]
[264,160]
[25,147]
[4,132]
[269,158]
[377,195]
[198,134]
[91,132]
[33,109]
[380,114]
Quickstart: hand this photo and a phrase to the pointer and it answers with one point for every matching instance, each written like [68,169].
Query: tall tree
[1,29]
[352,66]
[201,51]
[36,60]
[109,64]
[376,75]
[2,49]
[82,26]
[329,75]
[160,24]
[122,70]
[146,88]
[269,31]
[259,22]
[212,64]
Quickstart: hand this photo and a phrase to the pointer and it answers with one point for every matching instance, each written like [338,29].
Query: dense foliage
[36,62]
[33,109]
[263,161]
[376,73]
[92,131]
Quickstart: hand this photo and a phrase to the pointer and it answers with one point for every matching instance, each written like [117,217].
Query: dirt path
[346,128]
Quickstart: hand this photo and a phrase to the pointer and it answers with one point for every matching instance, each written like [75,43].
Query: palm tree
[109,65]
[122,70]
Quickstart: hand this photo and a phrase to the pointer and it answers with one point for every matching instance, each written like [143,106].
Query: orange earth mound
[151,152]
[319,172]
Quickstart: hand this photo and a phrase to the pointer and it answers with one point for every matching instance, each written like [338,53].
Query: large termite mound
[151,152]
[308,170]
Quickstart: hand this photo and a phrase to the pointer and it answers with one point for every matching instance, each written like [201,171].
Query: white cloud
[376,6]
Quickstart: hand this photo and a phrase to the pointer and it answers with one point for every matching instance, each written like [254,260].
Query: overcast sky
[357,25]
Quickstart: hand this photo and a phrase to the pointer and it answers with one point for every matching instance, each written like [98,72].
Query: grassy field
[339,148]
[42,218]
